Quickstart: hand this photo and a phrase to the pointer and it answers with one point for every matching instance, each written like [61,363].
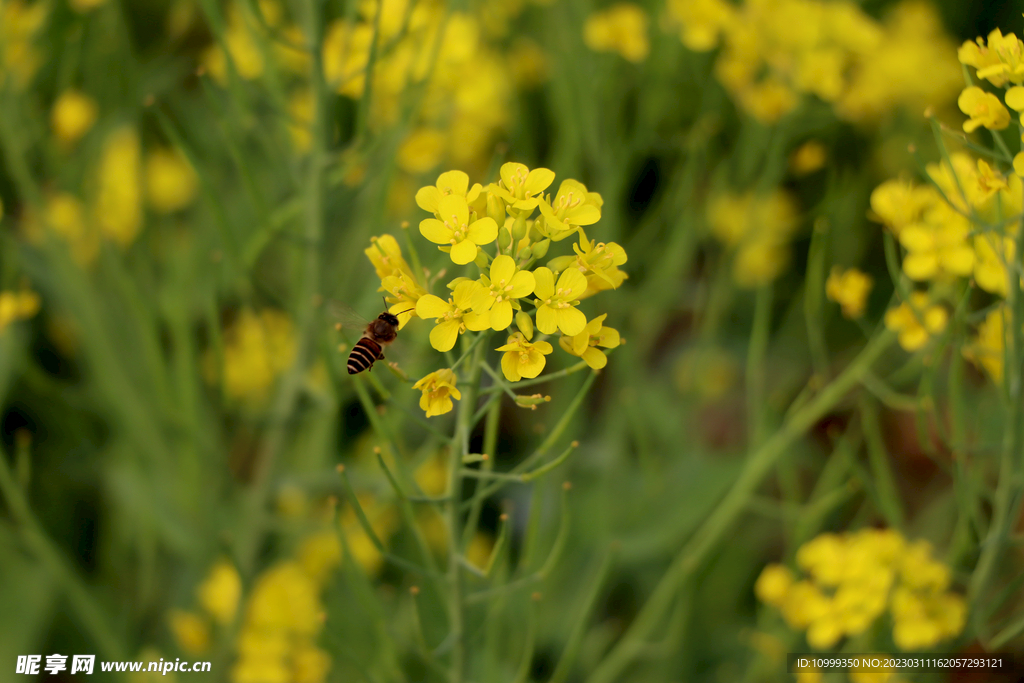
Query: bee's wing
[344,316]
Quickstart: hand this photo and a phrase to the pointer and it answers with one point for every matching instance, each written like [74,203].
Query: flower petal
[443,336]
[501,315]
[483,231]
[594,358]
[453,209]
[538,180]
[1015,98]
[544,285]
[430,306]
[547,320]
[533,366]
[453,182]
[510,366]
[585,214]
[435,231]
[464,252]
[573,283]
[523,284]
[427,198]
[464,293]
[571,321]
[503,267]
[476,322]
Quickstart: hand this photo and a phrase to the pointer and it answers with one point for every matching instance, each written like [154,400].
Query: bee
[369,349]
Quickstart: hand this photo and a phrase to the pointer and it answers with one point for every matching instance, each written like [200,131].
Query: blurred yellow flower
[984,109]
[700,22]
[478,552]
[438,391]
[171,182]
[1001,60]
[422,150]
[219,593]
[917,321]
[898,203]
[621,28]
[257,348]
[987,349]
[759,227]
[118,209]
[527,63]
[808,158]
[848,288]
[190,630]
[17,306]
[19,23]
[73,115]
[319,554]
[432,475]
[585,343]
[523,358]
[851,583]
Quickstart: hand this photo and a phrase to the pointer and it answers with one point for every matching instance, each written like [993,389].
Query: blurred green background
[187,185]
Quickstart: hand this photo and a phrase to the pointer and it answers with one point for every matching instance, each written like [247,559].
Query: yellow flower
[571,208]
[346,52]
[621,28]
[520,187]
[448,183]
[64,216]
[984,108]
[497,293]
[938,245]
[988,347]
[170,181]
[523,358]
[118,208]
[257,348]
[190,630]
[285,598]
[220,592]
[1000,61]
[593,335]
[438,391]
[700,22]
[385,254]
[242,46]
[898,203]
[917,321]
[300,119]
[73,115]
[992,253]
[453,317]
[422,150]
[598,261]
[17,306]
[773,584]
[556,305]
[808,158]
[456,228]
[849,289]
[478,553]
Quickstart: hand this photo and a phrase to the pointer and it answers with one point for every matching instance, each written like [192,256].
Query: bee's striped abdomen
[364,353]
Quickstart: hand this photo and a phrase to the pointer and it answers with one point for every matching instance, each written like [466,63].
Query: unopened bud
[531,401]
[504,240]
[495,208]
[540,249]
[525,324]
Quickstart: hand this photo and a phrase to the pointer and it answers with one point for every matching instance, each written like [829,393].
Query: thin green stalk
[881,472]
[696,551]
[490,450]
[460,450]
[579,627]
[756,354]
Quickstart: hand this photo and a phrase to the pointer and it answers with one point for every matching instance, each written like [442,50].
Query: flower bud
[496,208]
[525,324]
[519,227]
[540,249]
[531,402]
[504,240]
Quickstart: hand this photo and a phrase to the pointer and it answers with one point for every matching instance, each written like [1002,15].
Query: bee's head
[388,318]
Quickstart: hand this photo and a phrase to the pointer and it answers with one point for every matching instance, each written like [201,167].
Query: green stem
[696,551]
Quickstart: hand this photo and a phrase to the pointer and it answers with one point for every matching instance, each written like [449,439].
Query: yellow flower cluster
[467,85]
[218,596]
[17,306]
[962,224]
[257,348]
[853,578]
[621,29]
[776,50]
[495,229]
[850,289]
[759,229]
